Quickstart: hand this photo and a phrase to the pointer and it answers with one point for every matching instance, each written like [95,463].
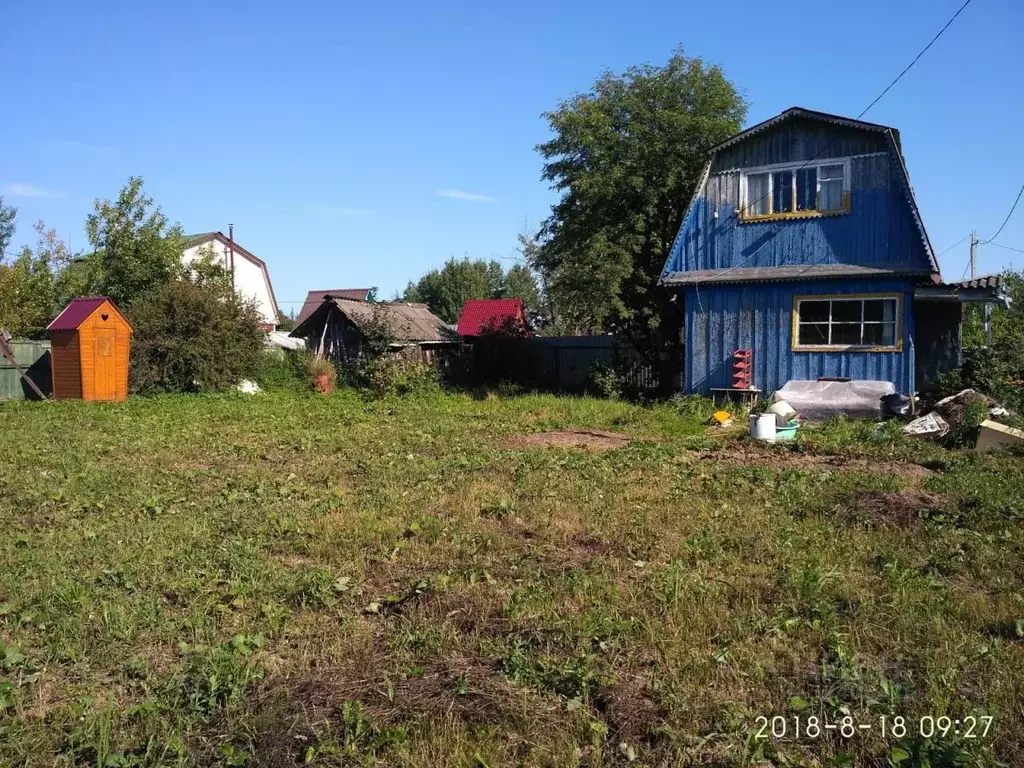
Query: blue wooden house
[804,244]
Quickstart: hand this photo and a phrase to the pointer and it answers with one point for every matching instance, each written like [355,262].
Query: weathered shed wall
[723,318]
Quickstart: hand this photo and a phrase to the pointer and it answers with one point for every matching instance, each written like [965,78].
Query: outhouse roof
[78,311]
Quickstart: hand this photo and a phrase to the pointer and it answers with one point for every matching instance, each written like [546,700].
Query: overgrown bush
[604,380]
[194,334]
[285,371]
[391,374]
[616,381]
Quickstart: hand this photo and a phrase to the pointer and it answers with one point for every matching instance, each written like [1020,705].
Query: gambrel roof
[890,137]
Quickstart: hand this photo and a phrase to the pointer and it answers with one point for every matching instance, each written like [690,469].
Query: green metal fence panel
[34,359]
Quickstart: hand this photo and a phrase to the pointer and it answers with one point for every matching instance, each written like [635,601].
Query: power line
[1007,247]
[965,270]
[912,63]
[954,245]
[1012,209]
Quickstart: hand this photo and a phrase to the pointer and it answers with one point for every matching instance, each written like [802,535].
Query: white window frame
[897,346]
[794,167]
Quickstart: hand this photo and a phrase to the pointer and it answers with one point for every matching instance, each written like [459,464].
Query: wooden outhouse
[89,342]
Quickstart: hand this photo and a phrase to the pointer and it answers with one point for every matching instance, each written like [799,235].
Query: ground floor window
[847,322]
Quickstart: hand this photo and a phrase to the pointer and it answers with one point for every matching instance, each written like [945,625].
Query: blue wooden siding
[878,231]
[798,140]
[723,318]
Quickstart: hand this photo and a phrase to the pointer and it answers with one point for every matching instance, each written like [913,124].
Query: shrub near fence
[34,359]
[564,363]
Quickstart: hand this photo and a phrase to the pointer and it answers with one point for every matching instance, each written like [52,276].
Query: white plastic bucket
[764,427]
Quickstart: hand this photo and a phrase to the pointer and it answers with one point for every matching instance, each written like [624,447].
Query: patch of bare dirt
[290,711]
[899,508]
[469,611]
[630,709]
[586,439]
[744,456]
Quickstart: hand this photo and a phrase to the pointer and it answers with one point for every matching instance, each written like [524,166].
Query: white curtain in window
[889,322]
[830,177]
[757,195]
[889,311]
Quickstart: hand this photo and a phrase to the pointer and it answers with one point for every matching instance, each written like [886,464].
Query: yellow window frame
[771,170]
[795,346]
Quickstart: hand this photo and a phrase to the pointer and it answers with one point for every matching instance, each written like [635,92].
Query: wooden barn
[339,328]
[90,341]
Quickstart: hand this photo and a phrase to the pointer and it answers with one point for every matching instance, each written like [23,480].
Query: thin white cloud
[343,211]
[19,189]
[458,194]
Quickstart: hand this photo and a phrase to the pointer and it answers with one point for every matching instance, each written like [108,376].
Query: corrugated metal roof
[478,313]
[985,281]
[315,298]
[802,272]
[76,313]
[408,323]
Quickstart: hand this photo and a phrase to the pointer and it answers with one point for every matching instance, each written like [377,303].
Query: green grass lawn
[285,579]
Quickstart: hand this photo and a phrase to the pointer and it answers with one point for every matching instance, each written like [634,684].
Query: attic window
[866,323]
[795,190]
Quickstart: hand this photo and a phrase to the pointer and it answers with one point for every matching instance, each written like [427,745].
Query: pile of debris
[955,414]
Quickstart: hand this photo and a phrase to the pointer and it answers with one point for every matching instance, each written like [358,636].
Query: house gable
[877,227]
[252,278]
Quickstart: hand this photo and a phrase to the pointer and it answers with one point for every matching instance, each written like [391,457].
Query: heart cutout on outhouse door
[105,317]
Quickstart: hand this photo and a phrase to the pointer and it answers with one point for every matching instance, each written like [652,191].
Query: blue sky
[358,144]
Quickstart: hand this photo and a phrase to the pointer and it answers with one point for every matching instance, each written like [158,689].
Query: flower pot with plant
[322,375]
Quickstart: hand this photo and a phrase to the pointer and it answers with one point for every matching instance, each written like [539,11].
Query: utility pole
[974,253]
[987,309]
[230,250]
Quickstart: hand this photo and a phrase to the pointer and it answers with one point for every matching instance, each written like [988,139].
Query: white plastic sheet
[818,400]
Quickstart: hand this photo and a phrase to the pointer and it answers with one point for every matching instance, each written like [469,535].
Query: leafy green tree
[136,249]
[626,158]
[519,283]
[447,289]
[285,322]
[29,284]
[8,215]
[996,366]
[82,277]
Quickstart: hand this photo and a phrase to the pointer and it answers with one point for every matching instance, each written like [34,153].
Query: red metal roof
[479,313]
[315,298]
[76,313]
